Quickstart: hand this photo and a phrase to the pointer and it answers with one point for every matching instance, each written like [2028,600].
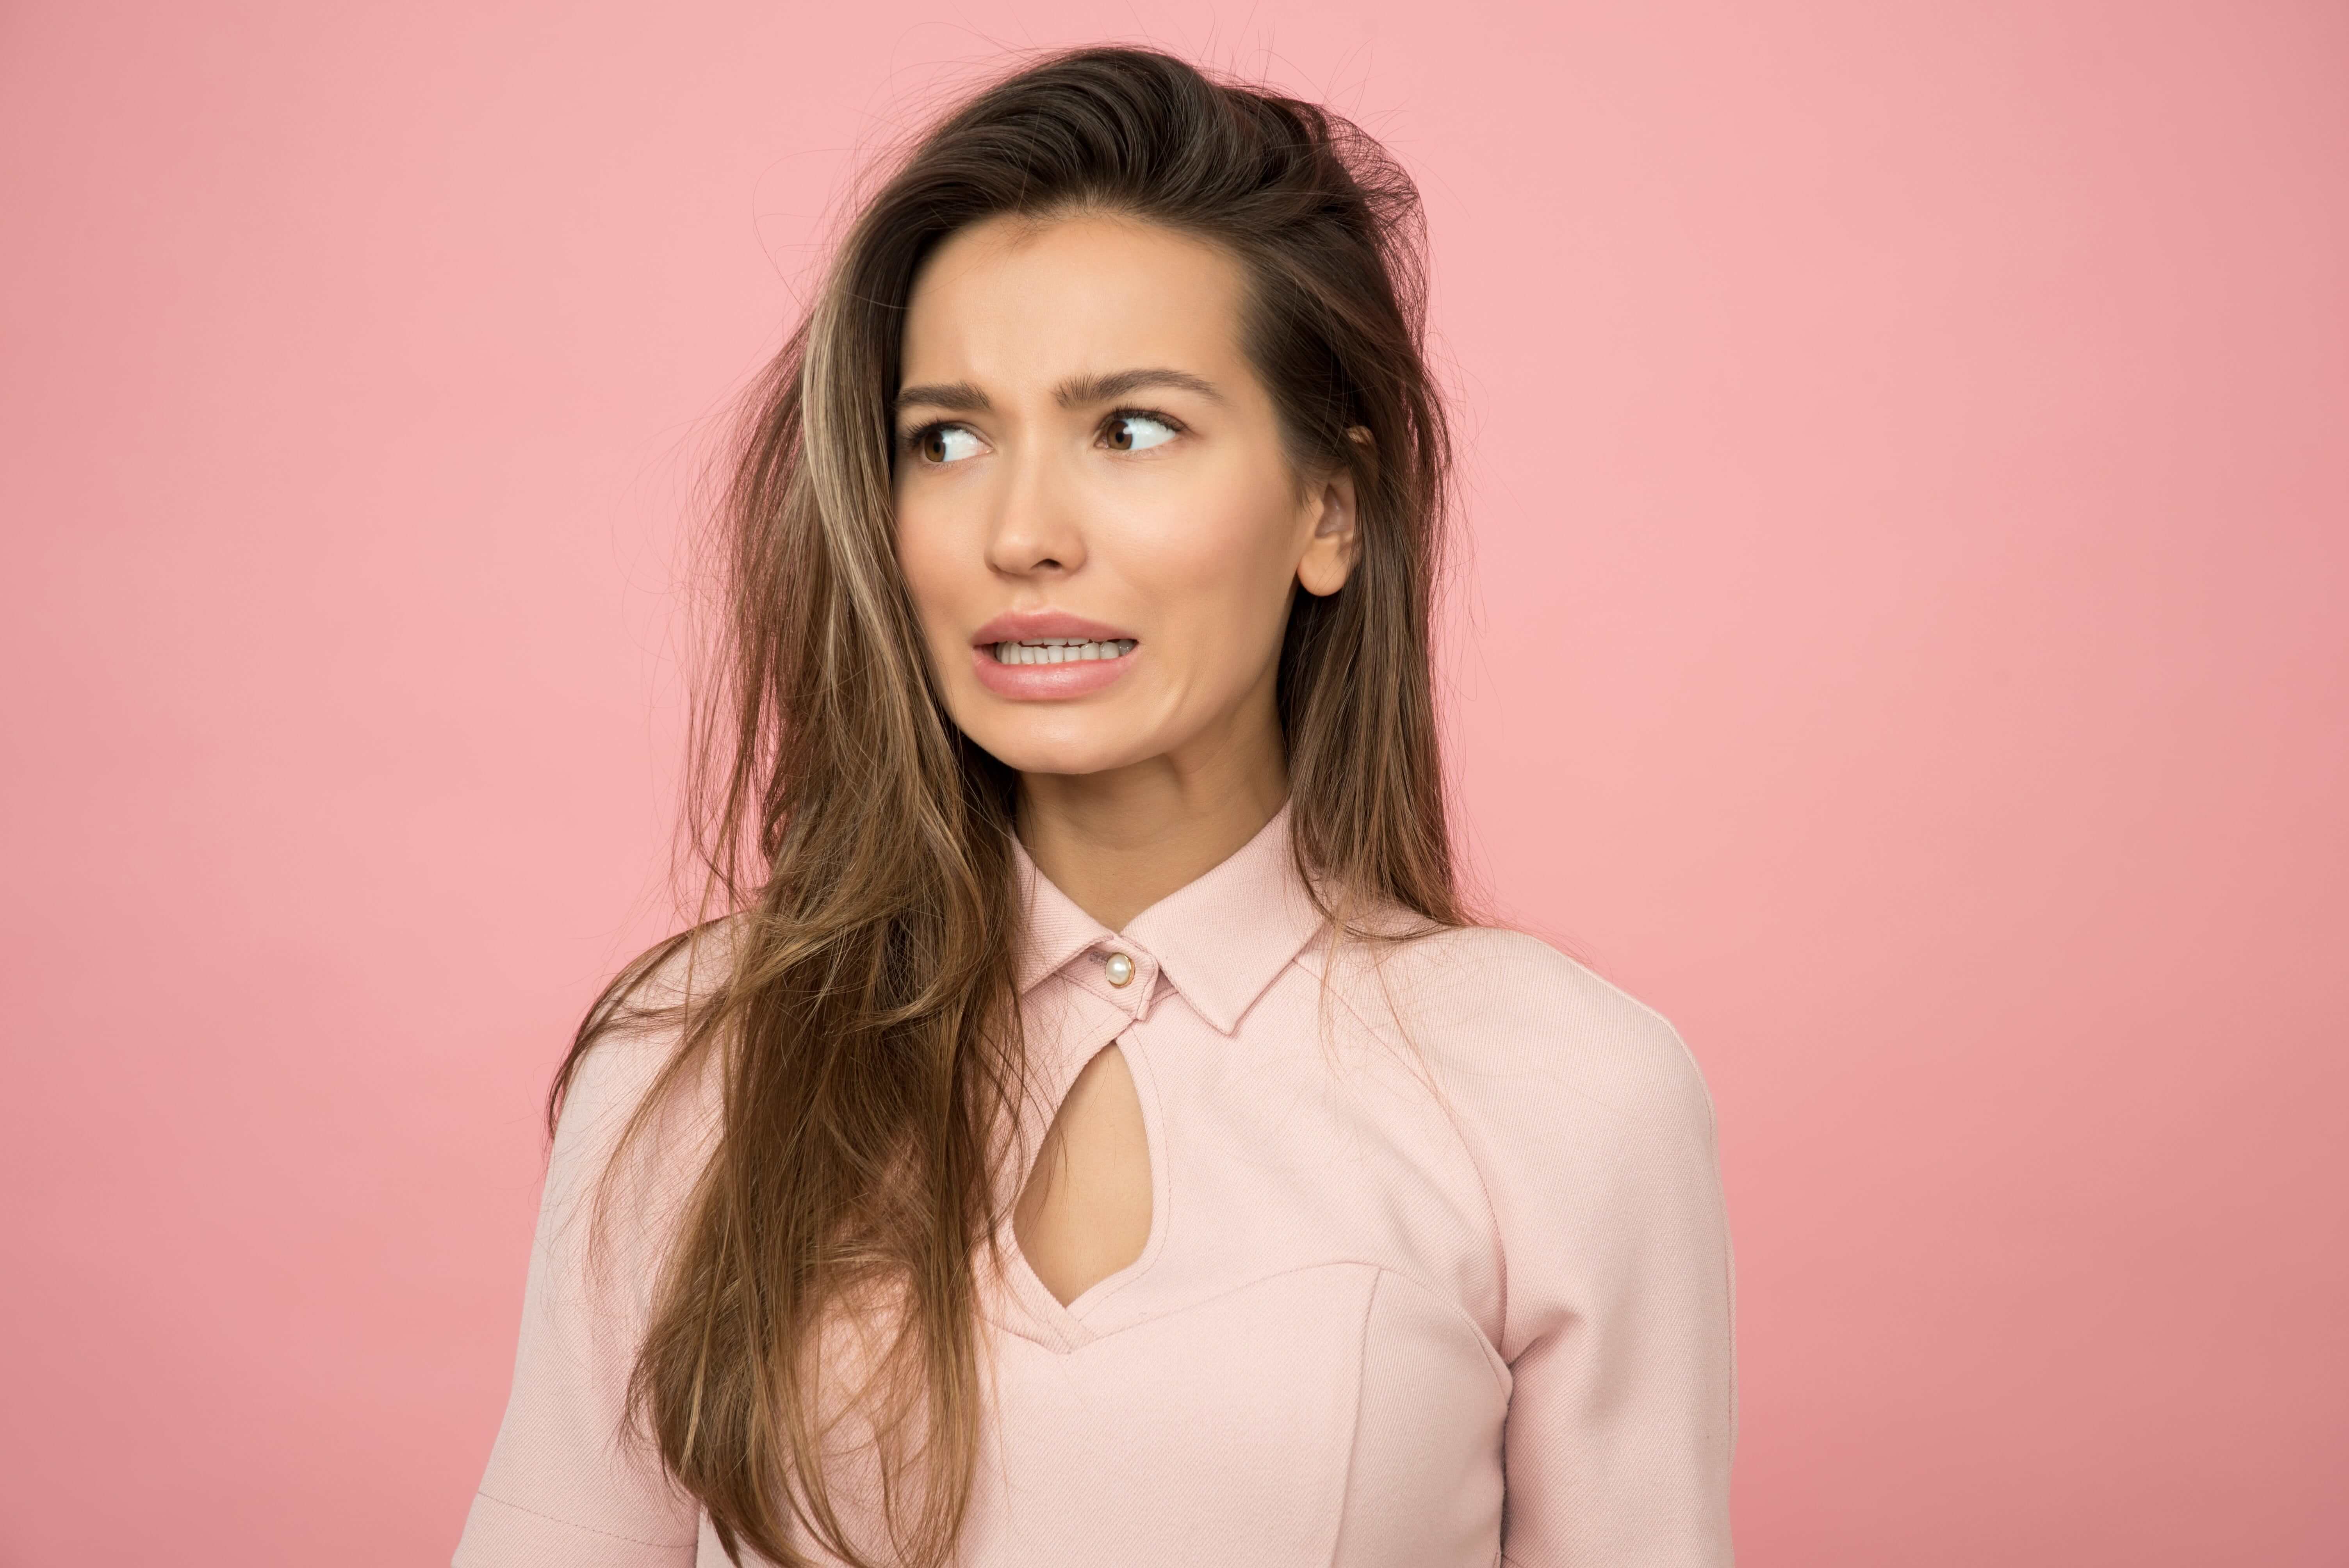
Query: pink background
[1903,641]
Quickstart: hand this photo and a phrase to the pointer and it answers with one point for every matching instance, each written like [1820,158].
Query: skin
[1028,481]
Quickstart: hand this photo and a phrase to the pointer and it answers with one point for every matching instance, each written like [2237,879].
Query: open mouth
[1059,650]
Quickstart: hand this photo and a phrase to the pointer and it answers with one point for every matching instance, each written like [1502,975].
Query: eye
[1130,432]
[944,444]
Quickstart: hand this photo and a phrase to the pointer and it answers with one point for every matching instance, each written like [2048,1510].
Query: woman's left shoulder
[1501,1010]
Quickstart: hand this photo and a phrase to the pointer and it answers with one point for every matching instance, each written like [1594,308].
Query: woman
[1092,1131]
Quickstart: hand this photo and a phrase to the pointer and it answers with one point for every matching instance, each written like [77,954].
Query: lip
[1047,683]
[1027,626]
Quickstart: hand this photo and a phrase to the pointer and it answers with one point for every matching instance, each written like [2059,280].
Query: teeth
[1061,651]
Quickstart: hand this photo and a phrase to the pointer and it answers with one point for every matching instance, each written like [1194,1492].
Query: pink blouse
[1437,1272]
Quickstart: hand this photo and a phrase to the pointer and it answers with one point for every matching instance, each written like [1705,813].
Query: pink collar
[1220,940]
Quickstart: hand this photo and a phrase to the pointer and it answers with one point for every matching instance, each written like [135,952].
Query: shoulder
[628,1073]
[1500,1015]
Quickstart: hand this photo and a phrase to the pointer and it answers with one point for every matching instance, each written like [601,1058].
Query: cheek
[1222,564]
[928,561]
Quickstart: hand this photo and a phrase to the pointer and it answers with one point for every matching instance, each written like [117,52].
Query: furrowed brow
[956,397]
[1077,391]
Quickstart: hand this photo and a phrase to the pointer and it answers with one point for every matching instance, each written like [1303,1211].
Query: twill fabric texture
[1437,1270]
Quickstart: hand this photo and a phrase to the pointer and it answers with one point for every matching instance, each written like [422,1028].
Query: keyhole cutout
[1085,1212]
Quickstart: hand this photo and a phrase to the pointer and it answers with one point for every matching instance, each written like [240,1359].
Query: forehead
[1016,300]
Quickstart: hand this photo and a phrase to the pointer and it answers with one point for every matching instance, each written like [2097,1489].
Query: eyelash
[910,443]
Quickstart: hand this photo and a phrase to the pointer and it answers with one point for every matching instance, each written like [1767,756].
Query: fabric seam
[1460,1140]
[1354,1441]
[586,1529]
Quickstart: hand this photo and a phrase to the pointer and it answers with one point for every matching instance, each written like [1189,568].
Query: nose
[1037,530]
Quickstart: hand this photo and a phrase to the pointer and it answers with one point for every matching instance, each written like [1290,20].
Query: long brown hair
[858,848]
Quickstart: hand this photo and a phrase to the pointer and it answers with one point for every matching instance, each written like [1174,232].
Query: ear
[1337,541]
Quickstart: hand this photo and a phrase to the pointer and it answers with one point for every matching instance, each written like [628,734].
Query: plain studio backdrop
[1900,636]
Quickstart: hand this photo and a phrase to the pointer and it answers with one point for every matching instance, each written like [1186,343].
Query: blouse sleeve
[1595,1134]
[567,1483]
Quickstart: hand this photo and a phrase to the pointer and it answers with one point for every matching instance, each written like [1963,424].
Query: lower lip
[1046,683]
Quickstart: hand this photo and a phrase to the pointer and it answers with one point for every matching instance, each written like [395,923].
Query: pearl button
[1121,968]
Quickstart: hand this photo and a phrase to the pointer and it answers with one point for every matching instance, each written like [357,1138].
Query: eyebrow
[1079,391]
[959,397]
[962,397]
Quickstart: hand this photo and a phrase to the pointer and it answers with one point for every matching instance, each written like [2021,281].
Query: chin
[1070,742]
[1059,756]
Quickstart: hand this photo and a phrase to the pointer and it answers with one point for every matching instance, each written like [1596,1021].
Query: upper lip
[1033,626]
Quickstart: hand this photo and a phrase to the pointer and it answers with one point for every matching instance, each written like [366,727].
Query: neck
[1119,841]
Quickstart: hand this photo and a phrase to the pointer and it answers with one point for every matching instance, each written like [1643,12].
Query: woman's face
[1095,515]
